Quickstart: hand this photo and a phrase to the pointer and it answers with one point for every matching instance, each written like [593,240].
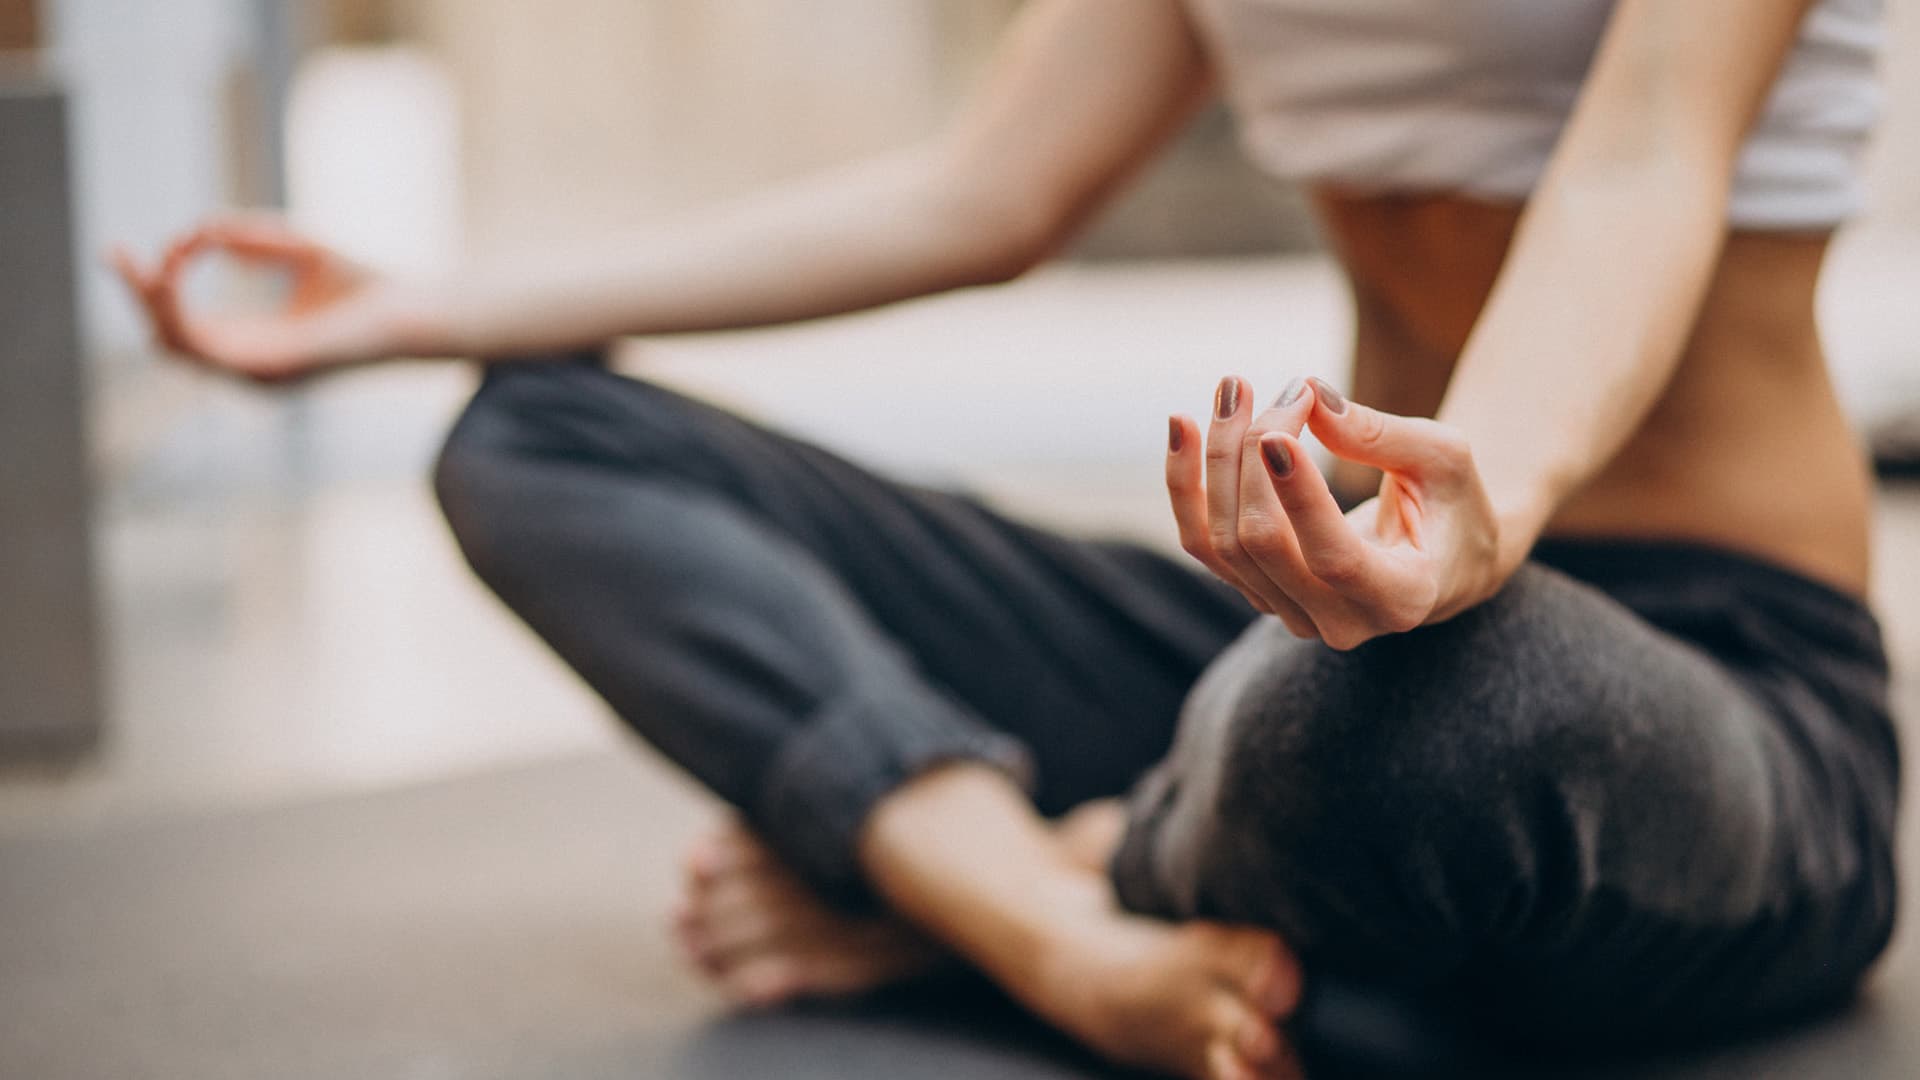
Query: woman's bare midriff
[1746,450]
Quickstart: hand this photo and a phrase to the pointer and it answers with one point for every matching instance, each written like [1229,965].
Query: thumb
[1398,444]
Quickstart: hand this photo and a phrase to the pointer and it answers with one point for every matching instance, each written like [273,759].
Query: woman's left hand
[1254,508]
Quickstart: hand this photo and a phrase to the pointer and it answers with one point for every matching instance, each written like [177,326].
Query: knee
[1419,750]
[475,451]
[489,466]
[1490,697]
[524,411]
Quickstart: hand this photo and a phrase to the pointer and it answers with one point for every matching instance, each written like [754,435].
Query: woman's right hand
[336,313]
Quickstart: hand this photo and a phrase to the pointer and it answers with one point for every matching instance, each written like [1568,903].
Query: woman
[1576,721]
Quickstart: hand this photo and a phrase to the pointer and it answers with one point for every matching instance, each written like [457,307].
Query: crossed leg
[1542,805]
[893,686]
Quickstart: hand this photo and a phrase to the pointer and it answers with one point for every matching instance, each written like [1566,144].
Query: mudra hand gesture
[336,312]
[1254,508]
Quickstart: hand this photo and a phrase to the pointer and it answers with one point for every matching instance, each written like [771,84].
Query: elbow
[999,233]
[1008,258]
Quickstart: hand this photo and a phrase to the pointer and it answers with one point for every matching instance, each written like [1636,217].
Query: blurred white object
[373,156]
[1869,322]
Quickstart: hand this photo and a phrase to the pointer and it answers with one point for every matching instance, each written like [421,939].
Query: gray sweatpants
[1646,792]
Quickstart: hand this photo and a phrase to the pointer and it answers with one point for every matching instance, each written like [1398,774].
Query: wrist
[1519,517]
[416,319]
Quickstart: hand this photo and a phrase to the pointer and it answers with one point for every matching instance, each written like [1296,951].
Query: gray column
[50,685]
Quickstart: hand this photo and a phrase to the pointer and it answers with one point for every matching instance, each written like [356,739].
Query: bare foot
[765,938]
[1089,833]
[1197,1000]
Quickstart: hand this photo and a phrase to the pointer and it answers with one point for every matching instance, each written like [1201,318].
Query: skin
[1607,360]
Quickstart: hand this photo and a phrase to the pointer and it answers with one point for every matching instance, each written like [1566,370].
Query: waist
[1780,632]
[1656,577]
[1745,449]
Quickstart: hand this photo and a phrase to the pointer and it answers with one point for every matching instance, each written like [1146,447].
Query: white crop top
[1470,96]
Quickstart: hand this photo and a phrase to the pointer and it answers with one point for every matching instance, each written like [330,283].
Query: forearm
[1583,331]
[1607,272]
[880,231]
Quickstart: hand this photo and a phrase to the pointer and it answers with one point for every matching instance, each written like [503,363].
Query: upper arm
[1681,81]
[1080,93]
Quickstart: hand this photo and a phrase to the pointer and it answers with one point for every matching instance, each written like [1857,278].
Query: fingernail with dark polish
[1174,434]
[1331,398]
[1279,458]
[1290,393]
[1226,400]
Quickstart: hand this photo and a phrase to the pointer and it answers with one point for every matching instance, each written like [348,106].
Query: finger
[263,225]
[1230,417]
[169,315]
[1221,468]
[1400,444]
[146,286]
[265,242]
[163,301]
[1331,548]
[1264,533]
[1231,414]
[142,283]
[258,239]
[1385,592]
[1288,414]
[181,253]
[129,270]
[164,292]
[1187,490]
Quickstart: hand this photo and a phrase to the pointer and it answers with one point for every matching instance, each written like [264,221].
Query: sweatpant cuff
[827,777]
[1137,883]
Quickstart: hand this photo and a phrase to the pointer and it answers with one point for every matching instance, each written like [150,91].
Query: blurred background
[283,791]
[216,596]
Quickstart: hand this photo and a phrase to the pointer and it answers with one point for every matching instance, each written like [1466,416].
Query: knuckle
[1225,540]
[1369,426]
[1403,619]
[1257,537]
[1345,638]
[1450,448]
[1342,566]
[1299,625]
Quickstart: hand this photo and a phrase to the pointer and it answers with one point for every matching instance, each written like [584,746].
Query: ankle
[1049,971]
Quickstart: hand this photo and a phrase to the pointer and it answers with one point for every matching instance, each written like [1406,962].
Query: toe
[1237,1024]
[742,847]
[742,932]
[1257,1041]
[1272,979]
[684,924]
[702,865]
[1224,1064]
[763,982]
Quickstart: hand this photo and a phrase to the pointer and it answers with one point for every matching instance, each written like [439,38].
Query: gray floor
[352,820]
[498,927]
